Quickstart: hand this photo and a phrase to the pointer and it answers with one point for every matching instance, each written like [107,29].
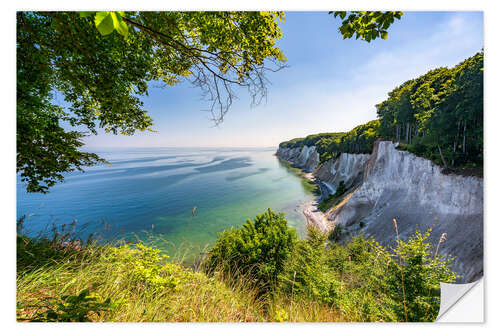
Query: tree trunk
[407,131]
[455,144]
[411,127]
[454,149]
[442,157]
[463,144]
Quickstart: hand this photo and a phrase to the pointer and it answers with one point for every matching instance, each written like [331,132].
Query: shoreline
[310,210]
[313,215]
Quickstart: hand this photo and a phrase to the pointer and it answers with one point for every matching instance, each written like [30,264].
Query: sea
[177,199]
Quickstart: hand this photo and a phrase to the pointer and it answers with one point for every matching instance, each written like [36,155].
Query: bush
[302,280]
[71,308]
[366,280]
[308,274]
[258,250]
[341,189]
[414,275]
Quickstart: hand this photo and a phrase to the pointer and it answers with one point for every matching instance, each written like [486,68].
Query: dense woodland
[438,115]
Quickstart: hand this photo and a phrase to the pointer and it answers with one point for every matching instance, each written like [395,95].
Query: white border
[8,201]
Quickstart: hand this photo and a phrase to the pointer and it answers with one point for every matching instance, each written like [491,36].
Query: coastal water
[177,198]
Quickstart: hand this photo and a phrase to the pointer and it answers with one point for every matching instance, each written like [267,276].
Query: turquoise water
[151,194]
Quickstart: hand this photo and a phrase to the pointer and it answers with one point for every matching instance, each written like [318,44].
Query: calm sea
[178,198]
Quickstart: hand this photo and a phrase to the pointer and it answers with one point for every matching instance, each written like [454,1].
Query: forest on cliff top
[438,115]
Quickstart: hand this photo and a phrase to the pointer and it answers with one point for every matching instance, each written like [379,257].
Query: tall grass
[49,272]
[124,275]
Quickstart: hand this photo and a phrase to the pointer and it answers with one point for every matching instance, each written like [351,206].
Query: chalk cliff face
[306,157]
[390,184]
[347,168]
[414,191]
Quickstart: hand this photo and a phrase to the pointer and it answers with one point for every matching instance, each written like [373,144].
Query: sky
[330,84]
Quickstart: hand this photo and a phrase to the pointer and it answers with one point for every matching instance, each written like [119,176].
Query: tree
[102,77]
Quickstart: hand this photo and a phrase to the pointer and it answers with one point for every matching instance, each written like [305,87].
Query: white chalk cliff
[306,158]
[390,184]
[347,168]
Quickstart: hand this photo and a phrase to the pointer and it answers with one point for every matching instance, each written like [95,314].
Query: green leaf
[122,28]
[86,14]
[104,23]
[383,34]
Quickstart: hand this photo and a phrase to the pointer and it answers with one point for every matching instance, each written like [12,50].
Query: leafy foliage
[146,267]
[368,25]
[439,115]
[329,145]
[420,272]
[107,22]
[363,278]
[306,273]
[258,250]
[119,283]
[335,234]
[70,308]
[259,272]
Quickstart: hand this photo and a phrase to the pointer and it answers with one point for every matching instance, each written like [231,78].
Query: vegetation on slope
[438,115]
[58,281]
[362,280]
[259,272]
[329,145]
[332,199]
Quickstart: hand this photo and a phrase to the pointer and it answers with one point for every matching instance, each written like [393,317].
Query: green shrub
[302,280]
[308,274]
[128,283]
[258,250]
[415,270]
[341,189]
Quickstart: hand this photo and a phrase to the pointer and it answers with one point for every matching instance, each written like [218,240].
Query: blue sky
[330,85]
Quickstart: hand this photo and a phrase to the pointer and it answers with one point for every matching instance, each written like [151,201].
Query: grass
[135,283]
[140,284]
